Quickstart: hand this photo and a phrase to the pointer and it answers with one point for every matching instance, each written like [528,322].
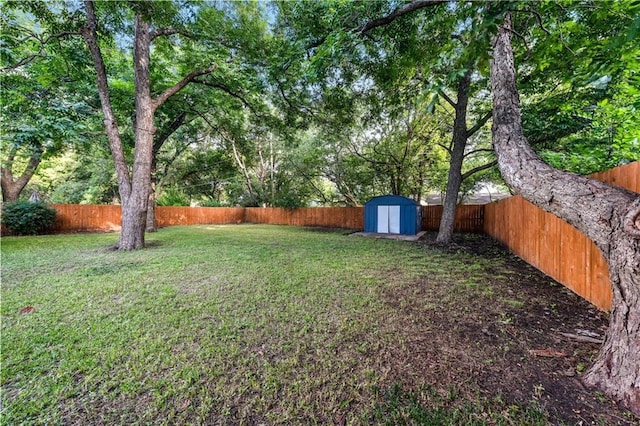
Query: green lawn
[233,325]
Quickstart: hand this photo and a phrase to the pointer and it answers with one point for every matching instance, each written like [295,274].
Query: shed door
[383,219]
[389,219]
[394,219]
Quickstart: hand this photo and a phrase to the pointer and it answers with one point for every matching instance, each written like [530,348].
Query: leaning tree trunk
[447,222]
[608,215]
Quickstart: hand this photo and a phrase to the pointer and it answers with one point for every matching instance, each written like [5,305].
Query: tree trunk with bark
[134,209]
[12,187]
[454,180]
[134,187]
[608,215]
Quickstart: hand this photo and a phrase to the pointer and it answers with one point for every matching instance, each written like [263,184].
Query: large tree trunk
[134,188]
[11,187]
[129,238]
[134,210]
[459,143]
[608,215]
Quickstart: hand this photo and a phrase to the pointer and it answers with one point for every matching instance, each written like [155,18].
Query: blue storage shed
[392,214]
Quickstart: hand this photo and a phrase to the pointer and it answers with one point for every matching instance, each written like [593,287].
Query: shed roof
[391,200]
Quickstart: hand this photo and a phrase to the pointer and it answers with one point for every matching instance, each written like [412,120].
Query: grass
[230,324]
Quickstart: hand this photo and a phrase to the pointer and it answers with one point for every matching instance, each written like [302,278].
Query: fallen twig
[547,353]
[582,339]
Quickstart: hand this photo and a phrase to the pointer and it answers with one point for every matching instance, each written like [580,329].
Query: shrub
[173,197]
[27,218]
[211,202]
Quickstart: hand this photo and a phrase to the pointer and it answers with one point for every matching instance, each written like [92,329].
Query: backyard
[259,324]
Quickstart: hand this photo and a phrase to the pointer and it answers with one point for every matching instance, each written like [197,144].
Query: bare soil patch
[500,339]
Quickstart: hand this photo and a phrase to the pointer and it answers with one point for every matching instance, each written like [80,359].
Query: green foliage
[78,177]
[47,103]
[201,171]
[581,104]
[27,218]
[316,112]
[173,197]
[210,202]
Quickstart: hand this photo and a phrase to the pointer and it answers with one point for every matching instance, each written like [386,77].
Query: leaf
[185,404]
[26,310]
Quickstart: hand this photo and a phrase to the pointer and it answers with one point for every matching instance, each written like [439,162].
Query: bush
[173,197]
[211,202]
[27,218]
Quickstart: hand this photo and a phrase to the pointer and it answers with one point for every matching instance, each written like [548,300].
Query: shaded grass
[231,324]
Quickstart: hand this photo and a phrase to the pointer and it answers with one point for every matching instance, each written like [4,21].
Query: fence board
[627,176]
[431,216]
[548,259]
[573,259]
[600,285]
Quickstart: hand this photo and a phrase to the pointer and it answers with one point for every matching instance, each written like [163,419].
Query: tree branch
[479,124]
[284,96]
[166,32]
[479,169]
[12,155]
[406,9]
[50,37]
[524,41]
[228,91]
[446,148]
[475,151]
[162,98]
[90,35]
[385,20]
[538,18]
[32,57]
[447,98]
[168,131]
[34,162]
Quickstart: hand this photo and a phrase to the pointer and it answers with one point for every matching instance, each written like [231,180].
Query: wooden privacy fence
[88,218]
[332,217]
[172,216]
[91,218]
[469,218]
[555,247]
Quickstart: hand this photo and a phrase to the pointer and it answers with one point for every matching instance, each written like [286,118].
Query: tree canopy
[347,106]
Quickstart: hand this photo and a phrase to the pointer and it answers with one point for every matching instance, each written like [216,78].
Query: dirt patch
[330,230]
[499,339]
[149,244]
